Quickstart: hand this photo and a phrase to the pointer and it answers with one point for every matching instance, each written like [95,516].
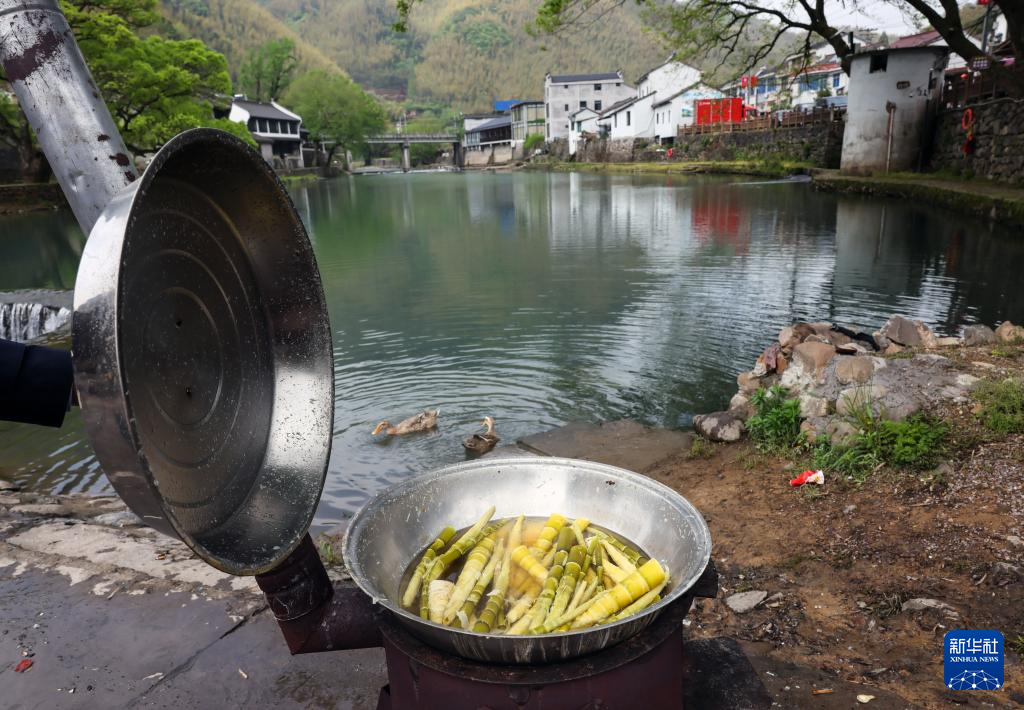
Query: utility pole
[985,27]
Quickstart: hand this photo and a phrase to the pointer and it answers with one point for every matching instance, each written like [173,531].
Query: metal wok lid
[202,353]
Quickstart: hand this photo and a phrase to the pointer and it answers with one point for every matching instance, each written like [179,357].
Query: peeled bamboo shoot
[439,592]
[648,576]
[443,538]
[547,595]
[620,560]
[469,606]
[460,547]
[496,601]
[567,583]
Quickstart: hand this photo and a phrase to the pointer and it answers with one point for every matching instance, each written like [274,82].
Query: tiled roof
[919,40]
[618,106]
[493,123]
[570,78]
[258,109]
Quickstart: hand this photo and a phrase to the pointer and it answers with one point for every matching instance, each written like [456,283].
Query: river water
[545,298]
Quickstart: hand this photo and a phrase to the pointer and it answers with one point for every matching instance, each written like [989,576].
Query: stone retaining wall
[998,142]
[820,144]
[25,198]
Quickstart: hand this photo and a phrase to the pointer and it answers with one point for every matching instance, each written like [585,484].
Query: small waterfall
[25,321]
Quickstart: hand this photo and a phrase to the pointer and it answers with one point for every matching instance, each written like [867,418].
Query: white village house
[582,121]
[564,94]
[663,102]
[275,128]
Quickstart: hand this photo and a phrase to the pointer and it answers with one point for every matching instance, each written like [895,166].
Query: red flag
[743,82]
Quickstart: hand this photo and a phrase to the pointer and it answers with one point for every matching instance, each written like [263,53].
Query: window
[627,118]
[615,120]
[597,87]
[566,86]
[567,107]
[252,124]
[547,110]
[618,83]
[879,62]
[295,129]
[597,105]
[835,81]
[263,125]
[583,104]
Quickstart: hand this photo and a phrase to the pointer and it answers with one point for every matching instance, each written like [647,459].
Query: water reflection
[545,298]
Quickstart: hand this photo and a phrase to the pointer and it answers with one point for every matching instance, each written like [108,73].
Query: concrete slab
[251,668]
[90,651]
[623,443]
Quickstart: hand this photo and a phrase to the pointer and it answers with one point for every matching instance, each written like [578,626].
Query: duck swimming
[482,443]
[424,421]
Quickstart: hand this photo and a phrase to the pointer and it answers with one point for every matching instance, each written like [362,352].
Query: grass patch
[775,427]
[701,449]
[1002,406]
[915,444]
[1002,352]
[1017,645]
[325,546]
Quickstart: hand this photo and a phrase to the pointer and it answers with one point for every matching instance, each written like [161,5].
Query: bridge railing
[413,138]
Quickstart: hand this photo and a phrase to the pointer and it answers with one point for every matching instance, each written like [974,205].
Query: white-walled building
[275,128]
[678,110]
[667,78]
[583,121]
[893,93]
[564,94]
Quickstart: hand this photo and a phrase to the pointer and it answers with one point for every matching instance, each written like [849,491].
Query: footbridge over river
[406,139]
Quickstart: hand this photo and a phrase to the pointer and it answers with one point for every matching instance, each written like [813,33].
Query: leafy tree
[154,87]
[268,70]
[335,111]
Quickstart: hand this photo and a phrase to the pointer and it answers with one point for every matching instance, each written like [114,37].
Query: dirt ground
[844,558]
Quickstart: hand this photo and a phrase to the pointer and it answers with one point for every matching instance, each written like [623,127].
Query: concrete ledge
[994,202]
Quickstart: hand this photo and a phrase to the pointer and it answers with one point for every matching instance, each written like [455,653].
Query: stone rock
[855,399]
[781,363]
[909,333]
[979,335]
[811,406]
[967,381]
[740,406]
[760,368]
[785,337]
[119,519]
[900,409]
[814,356]
[1007,332]
[947,342]
[818,339]
[1006,573]
[814,428]
[43,510]
[921,604]
[748,382]
[902,331]
[743,602]
[797,377]
[1015,541]
[894,348]
[880,340]
[841,432]
[853,348]
[8,486]
[719,426]
[854,370]
[9,500]
[794,335]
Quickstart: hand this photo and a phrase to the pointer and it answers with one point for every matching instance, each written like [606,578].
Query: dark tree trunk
[34,165]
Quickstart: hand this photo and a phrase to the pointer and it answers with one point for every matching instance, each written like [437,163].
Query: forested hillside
[233,28]
[465,53]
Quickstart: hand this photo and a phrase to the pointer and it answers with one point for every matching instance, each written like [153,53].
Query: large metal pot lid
[202,353]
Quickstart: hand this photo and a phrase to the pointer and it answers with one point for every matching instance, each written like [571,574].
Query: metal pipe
[890,107]
[313,614]
[46,69]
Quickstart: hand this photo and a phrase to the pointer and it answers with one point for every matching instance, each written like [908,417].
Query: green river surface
[547,298]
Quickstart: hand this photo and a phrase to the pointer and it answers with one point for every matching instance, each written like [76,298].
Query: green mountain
[233,28]
[464,53]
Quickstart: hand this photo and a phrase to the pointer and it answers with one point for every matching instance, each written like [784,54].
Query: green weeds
[701,449]
[775,427]
[1002,406]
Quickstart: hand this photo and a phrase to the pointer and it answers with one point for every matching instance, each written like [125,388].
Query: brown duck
[482,443]
[424,421]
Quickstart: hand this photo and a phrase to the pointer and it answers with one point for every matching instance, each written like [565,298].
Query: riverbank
[29,197]
[982,198]
[853,582]
[733,167]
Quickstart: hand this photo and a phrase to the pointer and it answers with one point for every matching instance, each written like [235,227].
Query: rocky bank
[838,374]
